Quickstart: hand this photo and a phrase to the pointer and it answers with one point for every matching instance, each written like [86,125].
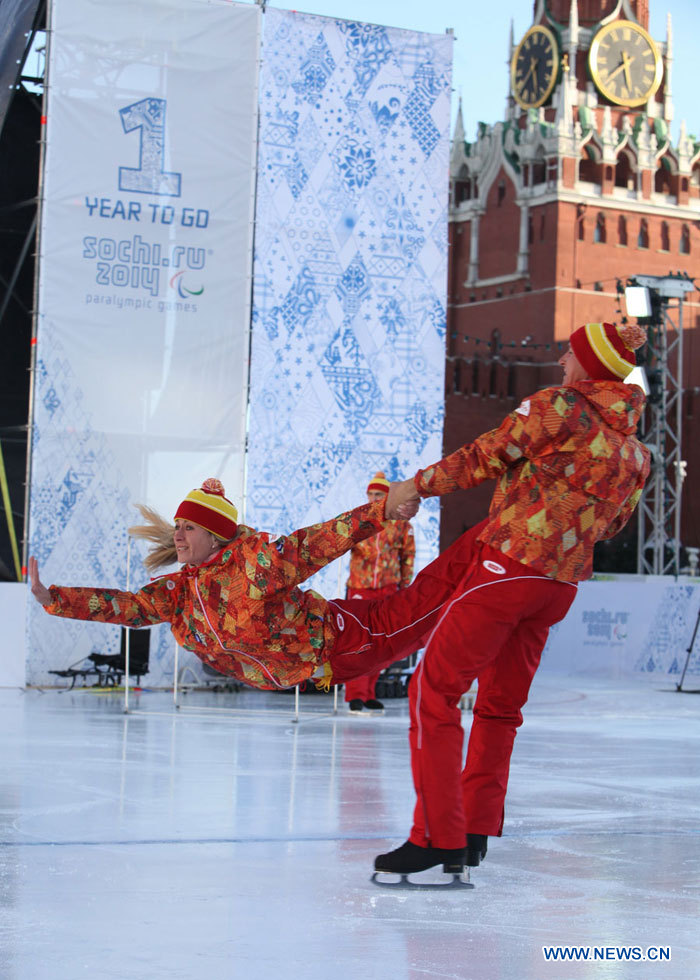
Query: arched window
[589,169]
[643,236]
[624,175]
[622,230]
[662,177]
[475,377]
[599,233]
[501,192]
[684,247]
[581,227]
[665,239]
[465,187]
[539,168]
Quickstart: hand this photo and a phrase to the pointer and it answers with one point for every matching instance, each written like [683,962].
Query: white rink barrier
[618,626]
[13,605]
[623,625]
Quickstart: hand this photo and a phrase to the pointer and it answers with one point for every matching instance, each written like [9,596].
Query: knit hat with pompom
[209,508]
[606,351]
[378,482]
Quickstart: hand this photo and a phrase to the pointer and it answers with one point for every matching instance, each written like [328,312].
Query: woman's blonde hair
[160,533]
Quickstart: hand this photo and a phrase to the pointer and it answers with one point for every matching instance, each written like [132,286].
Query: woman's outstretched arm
[292,558]
[150,605]
[38,589]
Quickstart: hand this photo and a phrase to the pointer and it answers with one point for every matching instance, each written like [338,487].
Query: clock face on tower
[534,68]
[624,63]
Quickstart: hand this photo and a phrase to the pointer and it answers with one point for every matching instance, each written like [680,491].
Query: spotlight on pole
[638,301]
[638,376]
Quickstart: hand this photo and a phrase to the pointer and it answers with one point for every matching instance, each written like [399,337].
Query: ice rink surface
[207,846]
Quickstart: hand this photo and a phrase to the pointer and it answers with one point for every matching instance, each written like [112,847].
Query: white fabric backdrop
[144,288]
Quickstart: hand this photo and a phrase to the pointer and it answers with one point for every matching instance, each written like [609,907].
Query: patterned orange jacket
[241,611]
[570,472]
[385,559]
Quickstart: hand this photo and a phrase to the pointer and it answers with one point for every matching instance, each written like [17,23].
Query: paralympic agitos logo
[182,290]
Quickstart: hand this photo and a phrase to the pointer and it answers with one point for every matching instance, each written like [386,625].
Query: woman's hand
[39,591]
[402,502]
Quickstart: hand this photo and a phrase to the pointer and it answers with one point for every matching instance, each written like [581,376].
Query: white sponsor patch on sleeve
[524,407]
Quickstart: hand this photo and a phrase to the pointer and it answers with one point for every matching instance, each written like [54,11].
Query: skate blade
[459,881]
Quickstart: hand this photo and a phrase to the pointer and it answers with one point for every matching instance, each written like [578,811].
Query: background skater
[379,566]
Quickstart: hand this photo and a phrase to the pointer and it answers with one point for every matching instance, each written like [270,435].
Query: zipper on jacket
[242,653]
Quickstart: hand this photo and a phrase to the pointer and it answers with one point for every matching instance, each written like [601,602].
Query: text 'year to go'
[162,214]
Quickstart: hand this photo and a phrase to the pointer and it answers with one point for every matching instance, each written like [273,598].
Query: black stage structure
[22,23]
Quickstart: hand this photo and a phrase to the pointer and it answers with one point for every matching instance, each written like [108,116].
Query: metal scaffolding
[659,521]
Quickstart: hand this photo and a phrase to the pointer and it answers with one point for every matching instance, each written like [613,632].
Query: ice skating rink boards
[210,846]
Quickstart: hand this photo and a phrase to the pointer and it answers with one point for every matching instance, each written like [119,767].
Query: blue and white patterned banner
[347,364]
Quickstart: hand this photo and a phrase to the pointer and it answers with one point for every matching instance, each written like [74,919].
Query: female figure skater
[235,601]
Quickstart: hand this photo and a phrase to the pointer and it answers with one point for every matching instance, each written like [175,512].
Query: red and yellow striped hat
[605,350]
[209,508]
[378,482]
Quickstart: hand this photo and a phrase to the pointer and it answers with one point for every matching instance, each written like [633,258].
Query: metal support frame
[26,21]
[10,285]
[659,521]
[689,652]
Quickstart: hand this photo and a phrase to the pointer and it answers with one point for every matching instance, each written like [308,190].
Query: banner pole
[8,515]
[340,579]
[127,636]
[35,293]
[177,658]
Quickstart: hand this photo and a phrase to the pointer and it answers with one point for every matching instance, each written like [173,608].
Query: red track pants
[479,615]
[363,688]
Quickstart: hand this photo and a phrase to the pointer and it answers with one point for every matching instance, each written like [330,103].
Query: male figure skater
[569,472]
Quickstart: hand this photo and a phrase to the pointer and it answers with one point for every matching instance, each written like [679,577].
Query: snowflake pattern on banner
[79,513]
[666,648]
[350,269]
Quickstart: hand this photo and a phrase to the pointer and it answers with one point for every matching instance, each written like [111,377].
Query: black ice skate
[411,859]
[477,845]
[374,705]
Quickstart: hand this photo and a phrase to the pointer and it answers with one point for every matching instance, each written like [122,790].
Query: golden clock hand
[533,65]
[627,62]
[623,66]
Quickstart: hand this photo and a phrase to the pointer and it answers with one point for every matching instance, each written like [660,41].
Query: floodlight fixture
[638,301]
[638,376]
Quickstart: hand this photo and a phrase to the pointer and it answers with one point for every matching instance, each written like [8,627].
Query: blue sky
[481,51]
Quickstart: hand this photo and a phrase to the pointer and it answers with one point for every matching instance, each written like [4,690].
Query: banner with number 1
[145,266]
